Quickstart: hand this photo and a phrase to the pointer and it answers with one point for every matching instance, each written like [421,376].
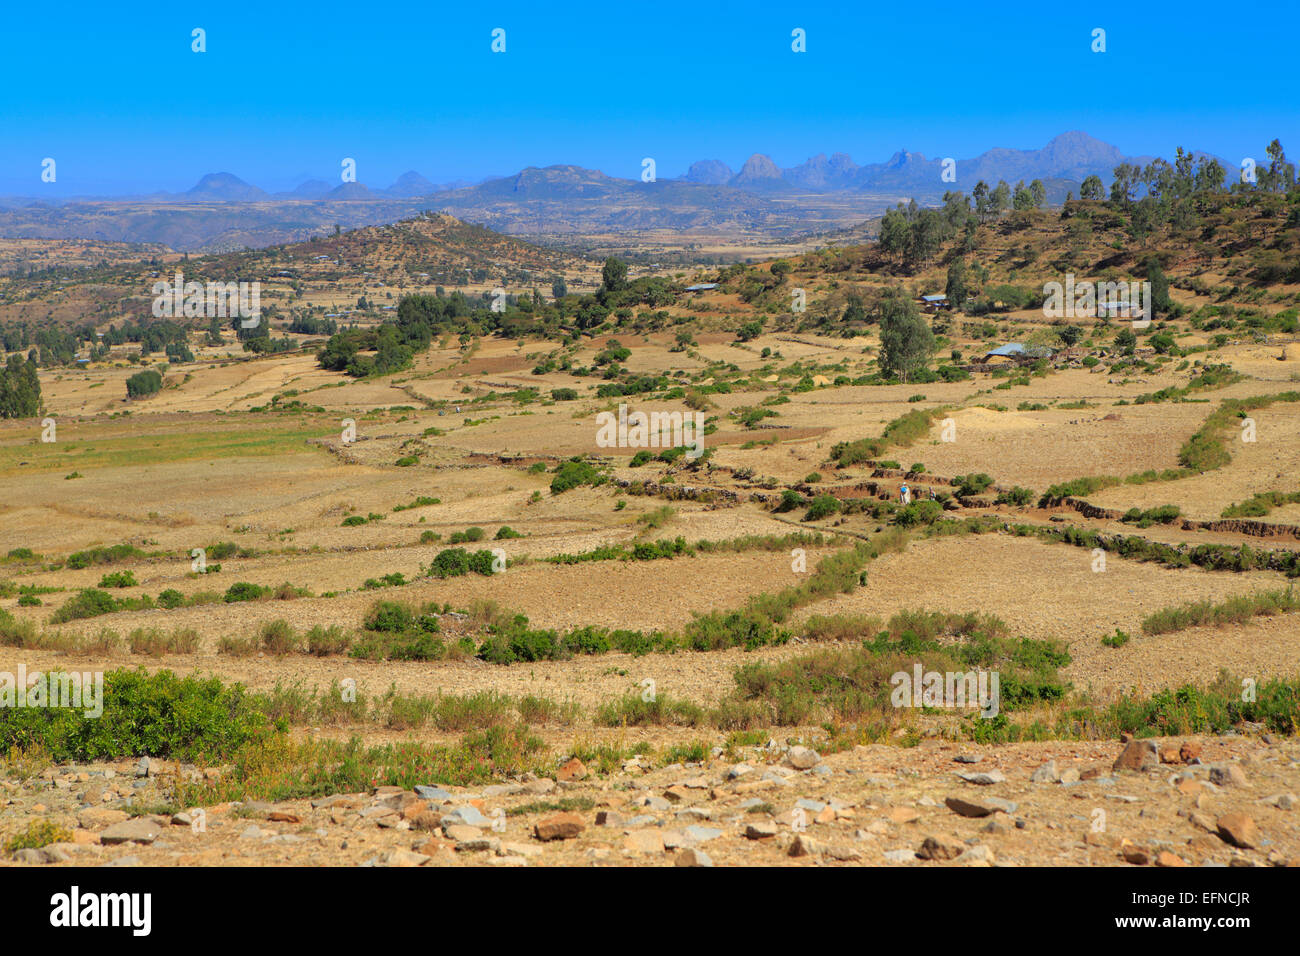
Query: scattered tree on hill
[1091,188]
[20,388]
[1000,200]
[957,287]
[613,277]
[1038,193]
[905,337]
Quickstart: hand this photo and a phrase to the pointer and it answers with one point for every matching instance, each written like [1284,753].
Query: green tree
[1038,193]
[1022,199]
[1125,181]
[1000,200]
[614,276]
[1092,188]
[983,209]
[20,388]
[956,287]
[143,383]
[905,337]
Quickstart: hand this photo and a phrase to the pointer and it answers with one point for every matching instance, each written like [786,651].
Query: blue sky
[285,91]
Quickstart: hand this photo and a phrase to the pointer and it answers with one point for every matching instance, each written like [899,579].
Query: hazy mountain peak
[411,183]
[710,172]
[225,186]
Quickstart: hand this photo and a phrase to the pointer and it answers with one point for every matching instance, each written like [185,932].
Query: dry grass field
[327,511]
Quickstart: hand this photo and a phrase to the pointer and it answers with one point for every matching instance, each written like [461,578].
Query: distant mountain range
[566,200]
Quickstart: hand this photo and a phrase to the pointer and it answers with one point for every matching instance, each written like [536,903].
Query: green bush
[822,506]
[922,512]
[571,474]
[158,715]
[148,382]
[390,617]
[87,603]
[118,579]
[243,591]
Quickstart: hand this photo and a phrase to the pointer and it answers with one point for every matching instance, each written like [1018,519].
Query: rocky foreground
[1191,802]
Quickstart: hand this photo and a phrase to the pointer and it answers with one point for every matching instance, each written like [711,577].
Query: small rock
[760,831]
[941,848]
[138,830]
[1046,773]
[561,826]
[692,857]
[802,758]
[1137,755]
[977,856]
[1227,775]
[969,807]
[902,814]
[403,858]
[984,778]
[470,816]
[644,841]
[1134,854]
[461,832]
[1239,830]
[575,769]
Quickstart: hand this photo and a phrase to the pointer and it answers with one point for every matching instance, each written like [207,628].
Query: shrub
[39,833]
[159,714]
[966,485]
[87,603]
[171,599]
[325,641]
[1015,496]
[148,382]
[921,512]
[822,506]
[243,591]
[1118,639]
[118,579]
[572,473]
[156,642]
[278,637]
[390,617]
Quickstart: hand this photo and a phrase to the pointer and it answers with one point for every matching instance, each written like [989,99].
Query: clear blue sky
[286,91]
